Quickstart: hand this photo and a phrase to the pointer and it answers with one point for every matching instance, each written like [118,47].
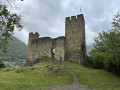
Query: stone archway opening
[53,52]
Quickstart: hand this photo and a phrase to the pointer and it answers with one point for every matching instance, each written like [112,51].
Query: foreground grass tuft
[97,79]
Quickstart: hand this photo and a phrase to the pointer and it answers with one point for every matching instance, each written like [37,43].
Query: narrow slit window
[73,40]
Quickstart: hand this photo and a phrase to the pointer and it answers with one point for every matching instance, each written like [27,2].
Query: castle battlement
[33,36]
[45,38]
[42,39]
[31,33]
[73,18]
[61,37]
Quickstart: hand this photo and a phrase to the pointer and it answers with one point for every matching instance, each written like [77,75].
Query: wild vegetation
[96,79]
[27,79]
[1,64]
[106,51]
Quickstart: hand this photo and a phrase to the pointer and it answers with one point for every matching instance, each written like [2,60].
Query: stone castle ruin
[71,47]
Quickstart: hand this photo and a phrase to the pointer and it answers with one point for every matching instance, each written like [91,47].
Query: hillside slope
[95,79]
[16,51]
[28,78]
[36,76]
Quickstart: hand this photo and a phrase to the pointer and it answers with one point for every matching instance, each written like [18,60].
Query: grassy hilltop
[26,78]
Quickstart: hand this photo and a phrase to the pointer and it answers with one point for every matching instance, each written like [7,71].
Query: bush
[1,64]
[93,62]
[88,61]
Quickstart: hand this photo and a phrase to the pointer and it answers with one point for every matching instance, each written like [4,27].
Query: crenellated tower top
[75,18]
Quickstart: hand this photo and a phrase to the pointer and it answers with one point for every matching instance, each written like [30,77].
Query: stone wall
[31,38]
[59,46]
[75,37]
[40,47]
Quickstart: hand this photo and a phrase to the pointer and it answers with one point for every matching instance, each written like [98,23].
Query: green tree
[106,50]
[8,23]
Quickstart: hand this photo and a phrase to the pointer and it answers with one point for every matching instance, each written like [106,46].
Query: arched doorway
[53,52]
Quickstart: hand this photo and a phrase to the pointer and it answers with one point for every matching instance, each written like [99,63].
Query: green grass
[28,79]
[97,79]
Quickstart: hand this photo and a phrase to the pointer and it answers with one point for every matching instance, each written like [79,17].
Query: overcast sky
[47,17]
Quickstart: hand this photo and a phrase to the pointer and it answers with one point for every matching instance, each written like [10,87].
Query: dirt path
[74,86]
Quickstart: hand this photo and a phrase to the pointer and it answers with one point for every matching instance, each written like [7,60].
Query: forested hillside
[16,51]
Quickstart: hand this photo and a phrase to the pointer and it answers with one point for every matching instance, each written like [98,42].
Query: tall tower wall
[75,38]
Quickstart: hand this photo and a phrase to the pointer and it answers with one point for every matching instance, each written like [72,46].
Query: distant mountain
[16,51]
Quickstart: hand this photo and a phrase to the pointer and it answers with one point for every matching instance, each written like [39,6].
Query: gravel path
[74,86]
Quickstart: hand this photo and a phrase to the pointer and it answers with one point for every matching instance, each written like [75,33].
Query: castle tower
[75,38]
[31,38]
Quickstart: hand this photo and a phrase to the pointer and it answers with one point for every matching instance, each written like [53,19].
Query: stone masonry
[71,47]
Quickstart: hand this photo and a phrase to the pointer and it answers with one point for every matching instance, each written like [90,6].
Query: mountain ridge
[16,51]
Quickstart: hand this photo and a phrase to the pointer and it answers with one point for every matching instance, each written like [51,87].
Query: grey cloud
[43,15]
[47,17]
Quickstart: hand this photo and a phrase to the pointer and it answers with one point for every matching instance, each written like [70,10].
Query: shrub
[1,64]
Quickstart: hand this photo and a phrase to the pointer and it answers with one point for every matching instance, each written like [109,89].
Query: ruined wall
[59,45]
[39,47]
[75,37]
